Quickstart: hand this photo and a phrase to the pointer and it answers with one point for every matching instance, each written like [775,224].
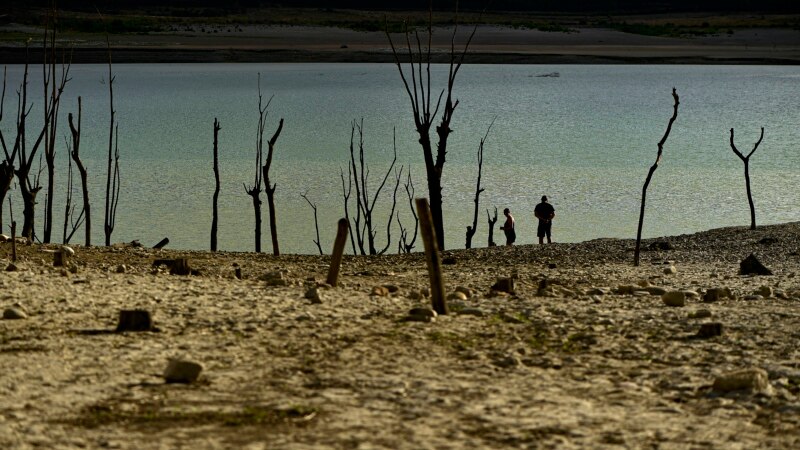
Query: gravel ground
[583,353]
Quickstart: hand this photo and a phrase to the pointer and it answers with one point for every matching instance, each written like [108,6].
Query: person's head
[544,198]
[506,211]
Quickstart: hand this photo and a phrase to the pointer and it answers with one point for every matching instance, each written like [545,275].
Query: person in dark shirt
[544,212]
[508,227]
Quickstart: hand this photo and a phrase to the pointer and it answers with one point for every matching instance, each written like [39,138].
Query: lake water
[585,139]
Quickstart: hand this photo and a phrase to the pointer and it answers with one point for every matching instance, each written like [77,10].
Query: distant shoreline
[172,56]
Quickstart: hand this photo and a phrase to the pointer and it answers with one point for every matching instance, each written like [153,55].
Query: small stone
[379,291]
[181,371]
[471,312]
[422,311]
[465,290]
[674,298]
[504,285]
[765,291]
[456,296]
[14,313]
[415,295]
[314,295]
[449,260]
[656,290]
[644,282]
[4,238]
[73,268]
[709,330]
[392,288]
[63,272]
[11,267]
[712,295]
[120,268]
[754,380]
[754,297]
[508,361]
[623,289]
[671,270]
[700,314]
[551,266]
[752,266]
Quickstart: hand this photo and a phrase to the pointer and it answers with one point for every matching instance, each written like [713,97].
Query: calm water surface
[586,139]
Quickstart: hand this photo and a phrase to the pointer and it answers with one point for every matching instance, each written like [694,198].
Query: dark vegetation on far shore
[666,18]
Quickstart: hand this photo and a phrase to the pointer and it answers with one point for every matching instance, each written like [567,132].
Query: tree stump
[134,320]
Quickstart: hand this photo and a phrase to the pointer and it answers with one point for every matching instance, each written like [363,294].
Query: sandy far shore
[491,44]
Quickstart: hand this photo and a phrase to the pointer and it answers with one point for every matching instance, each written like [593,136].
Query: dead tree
[7,165]
[346,193]
[316,223]
[421,98]
[112,170]
[492,221]
[51,102]
[254,190]
[71,223]
[365,204]
[269,188]
[76,157]
[215,210]
[478,189]
[746,161]
[650,175]
[404,245]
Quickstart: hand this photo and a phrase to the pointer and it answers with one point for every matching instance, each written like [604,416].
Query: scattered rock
[755,380]
[314,295]
[134,320]
[671,270]
[471,312]
[752,266]
[552,266]
[379,291]
[449,260]
[11,267]
[644,282]
[420,314]
[182,371]
[768,240]
[415,295]
[508,361]
[709,330]
[754,297]
[674,298]
[392,288]
[504,285]
[765,291]
[121,268]
[656,290]
[14,313]
[456,296]
[700,314]
[465,290]
[659,245]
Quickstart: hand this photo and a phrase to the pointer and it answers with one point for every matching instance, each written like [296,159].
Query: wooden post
[134,320]
[161,244]
[338,251]
[434,259]
[14,241]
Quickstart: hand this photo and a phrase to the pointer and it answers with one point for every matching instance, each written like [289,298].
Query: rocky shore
[573,348]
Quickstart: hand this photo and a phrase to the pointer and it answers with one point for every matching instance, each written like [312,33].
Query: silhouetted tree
[215,209]
[316,222]
[421,98]
[492,221]
[269,188]
[746,161]
[74,151]
[650,175]
[478,189]
[254,190]
[404,245]
[112,169]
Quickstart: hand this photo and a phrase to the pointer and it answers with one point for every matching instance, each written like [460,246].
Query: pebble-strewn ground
[584,354]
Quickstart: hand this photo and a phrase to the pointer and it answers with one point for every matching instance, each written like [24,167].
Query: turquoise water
[586,139]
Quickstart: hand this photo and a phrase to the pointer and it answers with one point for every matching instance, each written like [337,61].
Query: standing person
[544,212]
[508,227]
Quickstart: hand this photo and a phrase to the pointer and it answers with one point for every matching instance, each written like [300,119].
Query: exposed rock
[182,371]
[752,266]
[709,330]
[14,313]
[379,291]
[504,285]
[314,295]
[420,314]
[674,298]
[765,291]
[755,380]
[465,290]
[456,296]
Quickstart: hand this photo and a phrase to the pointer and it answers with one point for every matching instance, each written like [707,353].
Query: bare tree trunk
[746,161]
[270,189]
[215,210]
[254,191]
[404,244]
[650,176]
[492,221]
[478,189]
[316,223]
[7,165]
[112,171]
[75,154]
[420,95]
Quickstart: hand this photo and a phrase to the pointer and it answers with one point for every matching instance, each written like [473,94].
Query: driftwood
[746,161]
[338,251]
[650,176]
